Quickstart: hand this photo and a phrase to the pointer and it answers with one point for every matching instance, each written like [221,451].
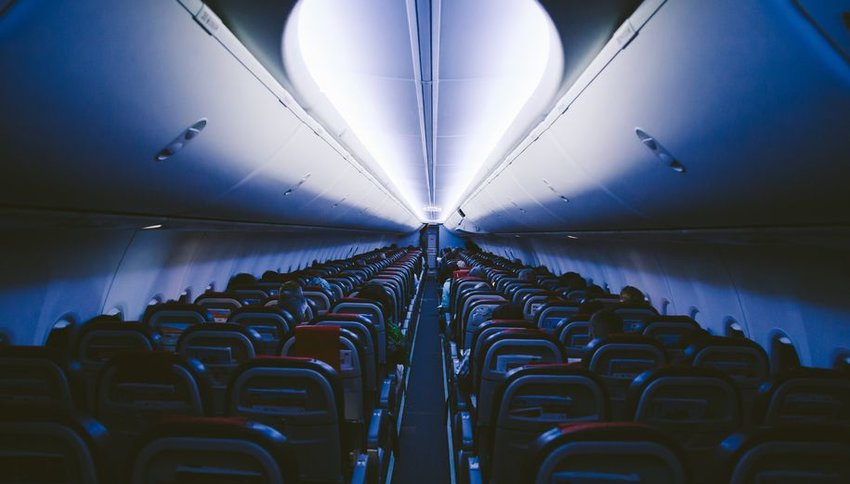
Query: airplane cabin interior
[425,241]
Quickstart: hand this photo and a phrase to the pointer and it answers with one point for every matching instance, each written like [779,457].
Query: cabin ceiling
[428,94]
[603,123]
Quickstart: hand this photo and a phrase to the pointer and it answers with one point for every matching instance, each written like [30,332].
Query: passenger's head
[572,280]
[461,264]
[482,313]
[317,281]
[592,291]
[605,323]
[508,311]
[241,280]
[272,276]
[291,299]
[377,292]
[542,270]
[527,275]
[632,295]
[477,271]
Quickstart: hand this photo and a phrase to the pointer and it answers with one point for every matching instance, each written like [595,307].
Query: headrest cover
[319,342]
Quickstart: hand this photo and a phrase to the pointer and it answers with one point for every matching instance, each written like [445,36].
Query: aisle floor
[423,448]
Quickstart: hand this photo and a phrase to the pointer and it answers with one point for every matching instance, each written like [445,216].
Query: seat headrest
[34,352]
[226,429]
[353,317]
[623,339]
[737,446]
[826,387]
[556,369]
[319,342]
[30,423]
[175,306]
[234,328]
[599,432]
[641,382]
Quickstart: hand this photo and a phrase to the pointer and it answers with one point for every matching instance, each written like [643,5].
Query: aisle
[423,455]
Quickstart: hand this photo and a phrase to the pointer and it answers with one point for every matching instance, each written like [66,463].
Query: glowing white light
[572,237]
[510,69]
[358,57]
[151,227]
[355,65]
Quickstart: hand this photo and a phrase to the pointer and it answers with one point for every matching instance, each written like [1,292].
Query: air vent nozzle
[182,140]
[654,146]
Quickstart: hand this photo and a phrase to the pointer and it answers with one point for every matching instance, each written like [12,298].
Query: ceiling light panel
[352,65]
[501,64]
[495,67]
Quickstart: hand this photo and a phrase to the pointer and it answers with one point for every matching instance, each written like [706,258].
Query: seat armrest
[473,471]
[381,432]
[361,470]
[466,429]
[386,400]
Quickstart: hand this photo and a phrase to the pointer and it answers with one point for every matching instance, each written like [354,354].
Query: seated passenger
[632,295]
[589,305]
[291,299]
[527,275]
[242,279]
[572,280]
[542,270]
[397,352]
[605,323]
[477,271]
[320,282]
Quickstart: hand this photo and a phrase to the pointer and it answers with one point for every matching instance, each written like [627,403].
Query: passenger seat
[213,450]
[606,453]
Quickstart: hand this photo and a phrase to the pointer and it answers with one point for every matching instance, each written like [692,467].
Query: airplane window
[692,312]
[734,329]
[842,360]
[665,305]
[116,311]
[60,334]
[783,355]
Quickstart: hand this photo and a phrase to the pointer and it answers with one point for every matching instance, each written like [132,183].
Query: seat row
[154,421]
[527,376]
[318,408]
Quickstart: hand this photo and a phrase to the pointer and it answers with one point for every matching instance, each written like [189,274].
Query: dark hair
[631,294]
[604,323]
[291,299]
[241,280]
[527,275]
[572,280]
[477,271]
[377,292]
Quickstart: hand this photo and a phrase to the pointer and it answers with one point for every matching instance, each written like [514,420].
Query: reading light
[151,227]
[572,237]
